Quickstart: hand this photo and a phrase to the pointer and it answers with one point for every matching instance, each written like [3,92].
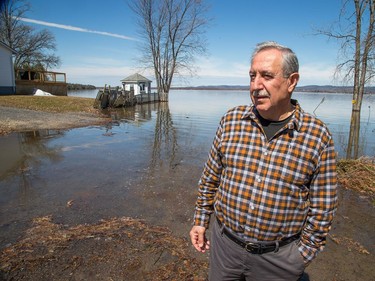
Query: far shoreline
[301,89]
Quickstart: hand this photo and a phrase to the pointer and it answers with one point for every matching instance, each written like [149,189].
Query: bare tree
[34,49]
[357,64]
[172,33]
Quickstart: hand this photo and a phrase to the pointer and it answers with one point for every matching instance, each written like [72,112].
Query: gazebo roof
[135,78]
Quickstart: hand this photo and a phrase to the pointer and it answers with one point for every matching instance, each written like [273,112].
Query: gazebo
[137,84]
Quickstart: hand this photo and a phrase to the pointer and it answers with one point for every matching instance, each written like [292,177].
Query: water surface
[145,164]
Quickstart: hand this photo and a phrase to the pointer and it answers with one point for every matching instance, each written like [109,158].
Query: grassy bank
[49,104]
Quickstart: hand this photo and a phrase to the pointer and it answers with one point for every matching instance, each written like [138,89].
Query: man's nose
[256,83]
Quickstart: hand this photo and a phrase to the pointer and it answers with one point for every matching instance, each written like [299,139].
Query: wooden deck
[48,81]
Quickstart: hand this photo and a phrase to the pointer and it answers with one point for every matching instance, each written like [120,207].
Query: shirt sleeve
[323,205]
[209,182]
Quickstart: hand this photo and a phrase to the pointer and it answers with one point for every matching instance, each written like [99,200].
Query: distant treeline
[72,86]
[310,88]
[332,89]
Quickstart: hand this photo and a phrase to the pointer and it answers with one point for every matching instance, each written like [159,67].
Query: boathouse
[137,83]
[7,79]
[141,87]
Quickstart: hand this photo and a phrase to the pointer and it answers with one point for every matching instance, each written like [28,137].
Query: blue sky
[97,41]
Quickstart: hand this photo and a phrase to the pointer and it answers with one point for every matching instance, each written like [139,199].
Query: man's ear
[293,81]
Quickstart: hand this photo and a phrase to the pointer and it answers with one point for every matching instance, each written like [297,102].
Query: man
[270,179]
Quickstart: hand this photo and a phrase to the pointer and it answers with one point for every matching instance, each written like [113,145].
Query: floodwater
[144,164]
[204,108]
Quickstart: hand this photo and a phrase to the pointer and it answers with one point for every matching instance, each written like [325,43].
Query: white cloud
[215,71]
[214,67]
[316,74]
[79,29]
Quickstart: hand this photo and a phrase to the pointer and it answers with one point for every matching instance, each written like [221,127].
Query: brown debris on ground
[358,174]
[114,249]
[350,244]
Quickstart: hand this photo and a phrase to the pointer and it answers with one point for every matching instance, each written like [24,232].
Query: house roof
[135,78]
[7,47]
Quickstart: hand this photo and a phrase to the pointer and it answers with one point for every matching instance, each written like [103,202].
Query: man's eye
[268,77]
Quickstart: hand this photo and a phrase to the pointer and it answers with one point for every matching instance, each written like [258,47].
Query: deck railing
[29,80]
[41,76]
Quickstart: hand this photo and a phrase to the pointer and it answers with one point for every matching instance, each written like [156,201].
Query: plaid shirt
[267,190]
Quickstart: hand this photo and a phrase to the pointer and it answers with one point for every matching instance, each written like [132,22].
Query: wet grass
[60,104]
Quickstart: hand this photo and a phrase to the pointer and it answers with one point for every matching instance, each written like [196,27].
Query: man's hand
[198,238]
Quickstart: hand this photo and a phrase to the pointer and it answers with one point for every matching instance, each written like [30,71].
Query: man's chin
[262,110]
[261,107]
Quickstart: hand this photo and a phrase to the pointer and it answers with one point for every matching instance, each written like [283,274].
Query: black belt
[258,248]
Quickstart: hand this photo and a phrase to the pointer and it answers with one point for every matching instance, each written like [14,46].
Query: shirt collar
[294,123]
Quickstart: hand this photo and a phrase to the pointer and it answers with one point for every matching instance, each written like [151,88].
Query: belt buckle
[253,248]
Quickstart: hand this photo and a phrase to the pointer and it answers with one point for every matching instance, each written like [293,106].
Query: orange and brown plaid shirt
[267,190]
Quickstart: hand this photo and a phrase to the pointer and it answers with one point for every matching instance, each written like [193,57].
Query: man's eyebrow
[267,72]
[262,72]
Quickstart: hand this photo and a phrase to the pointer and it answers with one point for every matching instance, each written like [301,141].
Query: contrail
[79,29]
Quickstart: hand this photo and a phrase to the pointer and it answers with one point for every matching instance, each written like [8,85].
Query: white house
[7,79]
[137,83]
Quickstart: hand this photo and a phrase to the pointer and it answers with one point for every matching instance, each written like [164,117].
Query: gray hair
[290,61]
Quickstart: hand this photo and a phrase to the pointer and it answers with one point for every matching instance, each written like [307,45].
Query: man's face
[269,90]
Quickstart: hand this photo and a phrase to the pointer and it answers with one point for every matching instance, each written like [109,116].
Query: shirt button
[252,207]
[265,153]
[258,179]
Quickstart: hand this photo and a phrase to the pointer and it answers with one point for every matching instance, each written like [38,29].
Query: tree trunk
[165,138]
[352,151]
[163,96]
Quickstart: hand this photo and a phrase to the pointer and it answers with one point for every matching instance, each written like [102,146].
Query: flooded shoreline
[145,164]
[164,197]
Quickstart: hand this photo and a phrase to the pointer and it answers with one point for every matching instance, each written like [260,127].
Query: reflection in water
[165,137]
[164,142]
[21,151]
[22,162]
[115,173]
[139,113]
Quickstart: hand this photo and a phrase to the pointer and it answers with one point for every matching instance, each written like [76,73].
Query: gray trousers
[229,261]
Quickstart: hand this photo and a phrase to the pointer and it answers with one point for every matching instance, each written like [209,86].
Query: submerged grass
[59,104]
